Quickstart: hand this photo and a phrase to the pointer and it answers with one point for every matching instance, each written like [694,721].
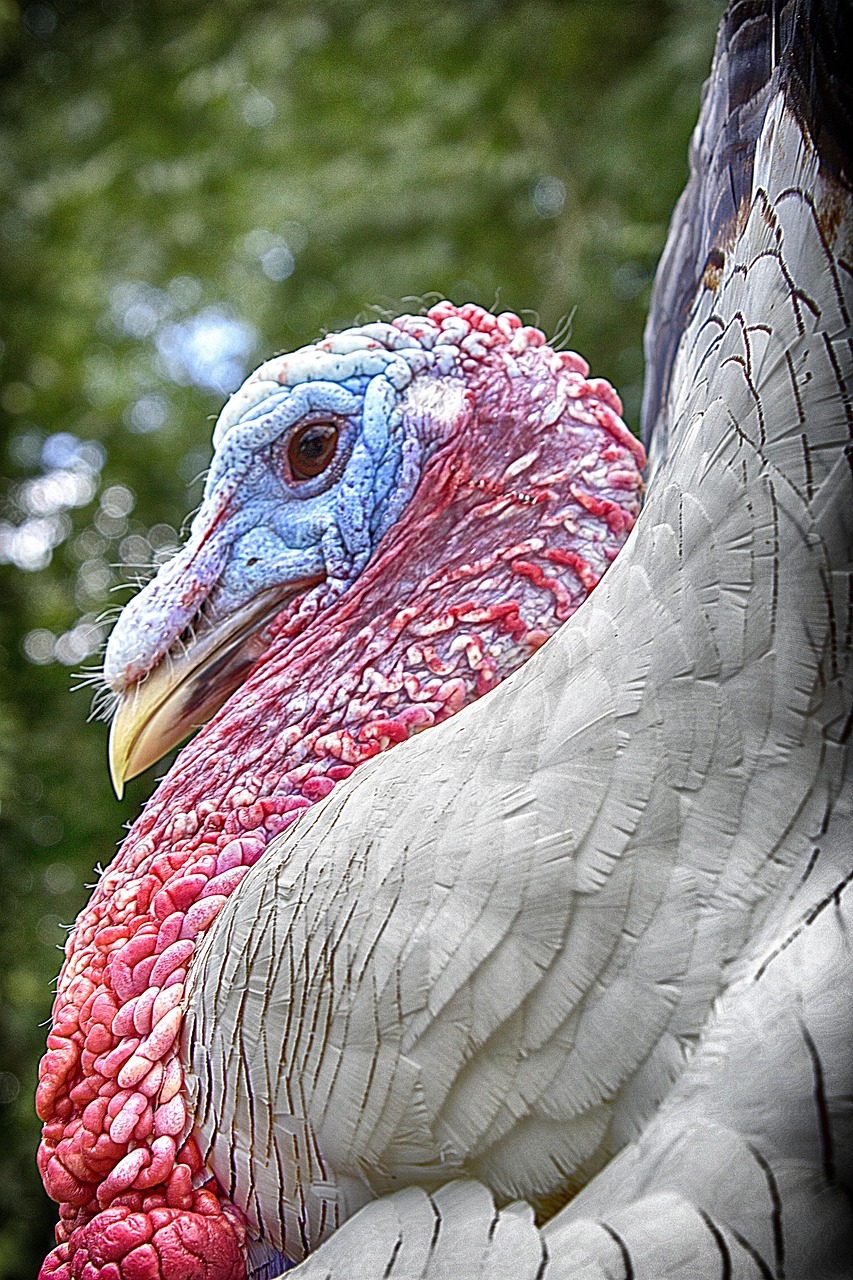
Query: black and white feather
[607,949]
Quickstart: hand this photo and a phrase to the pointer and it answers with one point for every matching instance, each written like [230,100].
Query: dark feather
[801,47]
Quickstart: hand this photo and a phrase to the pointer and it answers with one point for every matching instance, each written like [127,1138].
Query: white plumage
[596,930]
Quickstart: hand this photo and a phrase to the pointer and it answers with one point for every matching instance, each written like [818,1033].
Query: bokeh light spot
[147,414]
[549,196]
[38,645]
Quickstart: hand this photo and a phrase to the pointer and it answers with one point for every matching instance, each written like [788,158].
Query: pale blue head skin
[255,531]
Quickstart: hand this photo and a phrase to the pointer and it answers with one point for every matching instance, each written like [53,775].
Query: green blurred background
[186,187]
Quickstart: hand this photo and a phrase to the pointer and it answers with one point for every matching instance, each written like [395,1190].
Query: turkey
[605,953]
[602,953]
[395,518]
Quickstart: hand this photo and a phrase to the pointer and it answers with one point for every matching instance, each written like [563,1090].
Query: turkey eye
[311,449]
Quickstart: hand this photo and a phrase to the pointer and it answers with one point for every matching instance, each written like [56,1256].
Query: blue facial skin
[257,529]
[280,531]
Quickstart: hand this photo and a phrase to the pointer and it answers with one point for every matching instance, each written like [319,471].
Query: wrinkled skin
[480,486]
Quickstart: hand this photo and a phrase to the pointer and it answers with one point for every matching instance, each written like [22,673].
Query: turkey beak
[189,685]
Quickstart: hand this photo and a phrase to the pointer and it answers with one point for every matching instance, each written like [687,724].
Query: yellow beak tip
[117,763]
[178,695]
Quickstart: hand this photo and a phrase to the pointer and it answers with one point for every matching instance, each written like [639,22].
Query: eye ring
[311,449]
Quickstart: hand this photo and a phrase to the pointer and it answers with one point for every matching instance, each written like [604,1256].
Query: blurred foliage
[187,187]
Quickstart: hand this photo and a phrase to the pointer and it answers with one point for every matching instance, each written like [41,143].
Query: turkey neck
[487,560]
[404,649]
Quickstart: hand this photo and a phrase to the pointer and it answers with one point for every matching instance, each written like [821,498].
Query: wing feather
[498,951]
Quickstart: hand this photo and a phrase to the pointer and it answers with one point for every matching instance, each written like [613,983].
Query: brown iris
[311,449]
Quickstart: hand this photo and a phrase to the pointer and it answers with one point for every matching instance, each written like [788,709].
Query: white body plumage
[607,909]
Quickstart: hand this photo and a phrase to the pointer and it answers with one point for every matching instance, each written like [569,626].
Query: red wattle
[443,611]
[160,1244]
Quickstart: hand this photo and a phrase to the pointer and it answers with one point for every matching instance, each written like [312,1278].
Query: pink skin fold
[515,518]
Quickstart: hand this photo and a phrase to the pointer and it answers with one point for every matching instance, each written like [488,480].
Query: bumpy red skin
[486,562]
